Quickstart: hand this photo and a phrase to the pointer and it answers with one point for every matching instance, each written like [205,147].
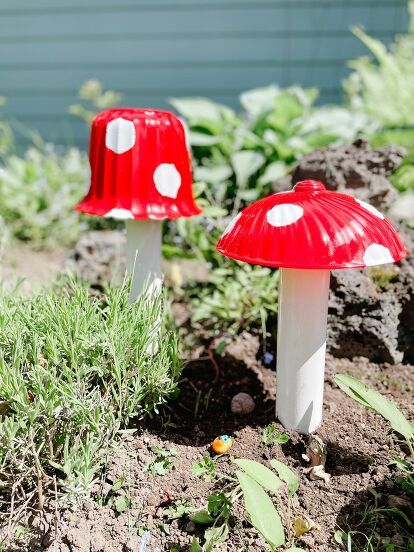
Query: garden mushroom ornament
[307,232]
[140,173]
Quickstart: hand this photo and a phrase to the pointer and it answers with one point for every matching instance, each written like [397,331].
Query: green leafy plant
[216,517]
[163,461]
[204,468]
[254,481]
[271,436]
[93,100]
[38,193]
[372,399]
[118,497]
[74,370]
[239,155]
[382,86]
[236,297]
[178,509]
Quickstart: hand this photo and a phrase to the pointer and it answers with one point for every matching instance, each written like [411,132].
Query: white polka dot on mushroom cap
[377,254]
[284,214]
[167,180]
[119,214]
[370,208]
[232,224]
[120,135]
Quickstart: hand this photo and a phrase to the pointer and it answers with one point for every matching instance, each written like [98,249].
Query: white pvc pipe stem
[144,256]
[301,345]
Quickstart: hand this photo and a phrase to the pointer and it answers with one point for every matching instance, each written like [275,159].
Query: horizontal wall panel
[112,26]
[66,6]
[173,80]
[185,49]
[150,50]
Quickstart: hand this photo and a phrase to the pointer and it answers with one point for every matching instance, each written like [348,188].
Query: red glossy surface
[140,166]
[311,228]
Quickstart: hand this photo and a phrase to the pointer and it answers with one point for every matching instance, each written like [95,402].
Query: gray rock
[242,404]
[371,314]
[355,169]
[99,257]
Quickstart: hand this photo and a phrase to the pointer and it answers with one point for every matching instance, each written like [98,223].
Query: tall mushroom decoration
[140,173]
[307,232]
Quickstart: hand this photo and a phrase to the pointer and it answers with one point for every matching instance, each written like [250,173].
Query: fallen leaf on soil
[302,525]
[316,473]
[398,502]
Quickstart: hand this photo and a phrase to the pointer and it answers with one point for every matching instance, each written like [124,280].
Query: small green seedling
[216,516]
[118,502]
[271,436]
[178,509]
[204,468]
[163,461]
[254,481]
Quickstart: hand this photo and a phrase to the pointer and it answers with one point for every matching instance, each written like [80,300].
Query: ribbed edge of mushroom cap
[311,228]
[119,213]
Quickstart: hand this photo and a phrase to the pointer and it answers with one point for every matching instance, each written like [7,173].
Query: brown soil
[359,443]
[360,448]
[19,264]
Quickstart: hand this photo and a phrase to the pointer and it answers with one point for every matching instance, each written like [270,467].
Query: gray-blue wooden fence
[153,49]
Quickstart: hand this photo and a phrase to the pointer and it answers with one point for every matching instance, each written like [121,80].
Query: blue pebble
[268,358]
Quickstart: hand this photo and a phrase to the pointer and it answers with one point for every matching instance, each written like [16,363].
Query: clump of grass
[236,298]
[74,370]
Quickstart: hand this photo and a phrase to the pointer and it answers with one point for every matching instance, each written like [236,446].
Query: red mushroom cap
[311,228]
[140,166]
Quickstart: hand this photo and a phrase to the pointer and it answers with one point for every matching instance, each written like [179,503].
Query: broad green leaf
[273,171]
[263,514]
[200,139]
[202,517]
[263,475]
[287,475]
[213,174]
[246,163]
[373,399]
[194,108]
[259,100]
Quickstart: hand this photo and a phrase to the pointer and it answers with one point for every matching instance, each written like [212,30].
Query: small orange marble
[222,444]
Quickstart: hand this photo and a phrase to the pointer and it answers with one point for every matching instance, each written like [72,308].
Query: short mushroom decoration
[140,173]
[307,232]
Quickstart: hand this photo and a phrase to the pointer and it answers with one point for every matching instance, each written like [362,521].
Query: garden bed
[358,499]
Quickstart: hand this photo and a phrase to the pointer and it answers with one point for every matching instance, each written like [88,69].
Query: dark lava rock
[99,257]
[356,169]
[371,313]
